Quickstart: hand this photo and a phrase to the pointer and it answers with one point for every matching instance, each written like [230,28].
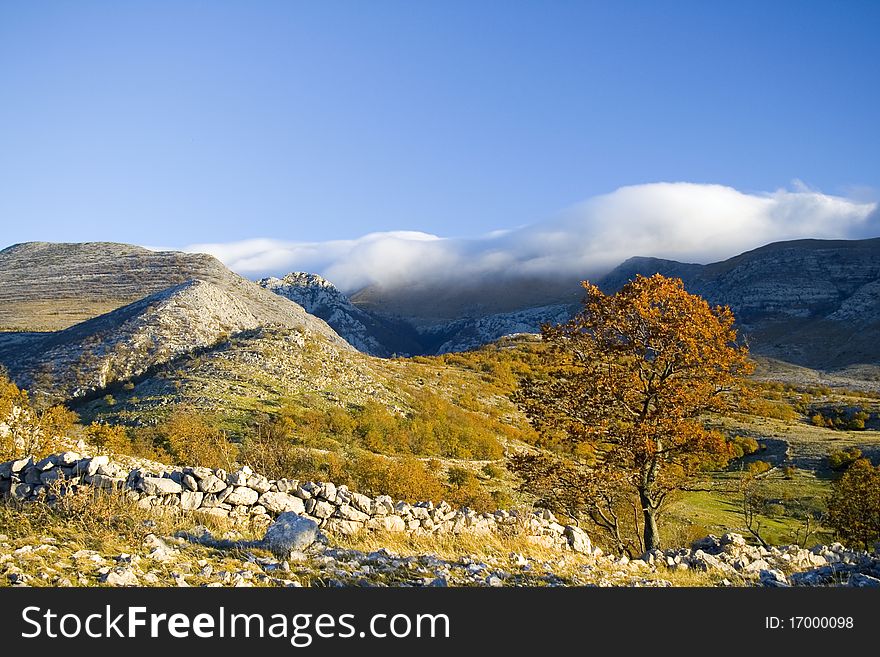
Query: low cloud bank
[681,221]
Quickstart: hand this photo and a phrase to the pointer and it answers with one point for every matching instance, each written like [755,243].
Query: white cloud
[682,221]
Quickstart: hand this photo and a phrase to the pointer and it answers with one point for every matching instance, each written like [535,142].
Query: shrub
[854,504]
[29,430]
[743,446]
[269,449]
[459,476]
[778,410]
[841,459]
[758,467]
[492,471]
[465,490]
[501,499]
[435,427]
[192,438]
[406,479]
[109,438]
[846,419]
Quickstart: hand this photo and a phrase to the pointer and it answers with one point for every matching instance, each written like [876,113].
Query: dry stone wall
[246,495]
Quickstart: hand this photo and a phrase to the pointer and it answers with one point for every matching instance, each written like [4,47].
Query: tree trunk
[651,533]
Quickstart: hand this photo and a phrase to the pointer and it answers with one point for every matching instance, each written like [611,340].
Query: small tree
[193,438]
[632,375]
[854,504]
[752,500]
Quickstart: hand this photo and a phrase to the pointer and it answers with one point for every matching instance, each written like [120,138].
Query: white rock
[190,500]
[281,502]
[243,496]
[159,486]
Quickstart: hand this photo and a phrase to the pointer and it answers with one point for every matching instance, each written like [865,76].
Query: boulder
[773,578]
[237,478]
[711,544]
[387,523]
[68,458]
[289,533]
[47,463]
[50,475]
[348,512]
[323,509]
[383,505]
[861,580]
[259,483]
[120,577]
[362,503]
[578,540]
[344,527]
[20,464]
[328,491]
[109,483]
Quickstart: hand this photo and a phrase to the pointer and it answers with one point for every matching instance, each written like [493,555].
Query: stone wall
[245,495]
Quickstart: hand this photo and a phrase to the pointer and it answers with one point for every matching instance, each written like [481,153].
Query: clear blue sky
[178,122]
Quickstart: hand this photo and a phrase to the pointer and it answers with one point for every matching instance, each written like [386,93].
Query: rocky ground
[179,560]
[72,520]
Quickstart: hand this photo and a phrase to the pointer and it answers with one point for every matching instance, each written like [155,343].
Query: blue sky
[180,123]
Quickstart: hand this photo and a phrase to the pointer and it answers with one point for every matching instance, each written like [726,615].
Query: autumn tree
[632,377]
[854,504]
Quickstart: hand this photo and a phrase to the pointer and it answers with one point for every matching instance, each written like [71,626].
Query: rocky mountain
[439,302]
[127,342]
[50,286]
[139,309]
[378,333]
[809,302]
[473,332]
[366,331]
[814,303]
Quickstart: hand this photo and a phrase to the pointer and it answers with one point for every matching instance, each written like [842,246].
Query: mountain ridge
[809,302]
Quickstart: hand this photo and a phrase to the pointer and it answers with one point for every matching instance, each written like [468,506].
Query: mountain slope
[50,286]
[808,302]
[128,341]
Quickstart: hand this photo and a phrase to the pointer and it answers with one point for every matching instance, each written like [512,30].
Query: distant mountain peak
[306,279]
[320,297]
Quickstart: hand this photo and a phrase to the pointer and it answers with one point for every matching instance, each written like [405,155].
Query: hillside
[125,343]
[814,303]
[50,286]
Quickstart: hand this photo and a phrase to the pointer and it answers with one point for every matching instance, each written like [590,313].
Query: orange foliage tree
[631,377]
